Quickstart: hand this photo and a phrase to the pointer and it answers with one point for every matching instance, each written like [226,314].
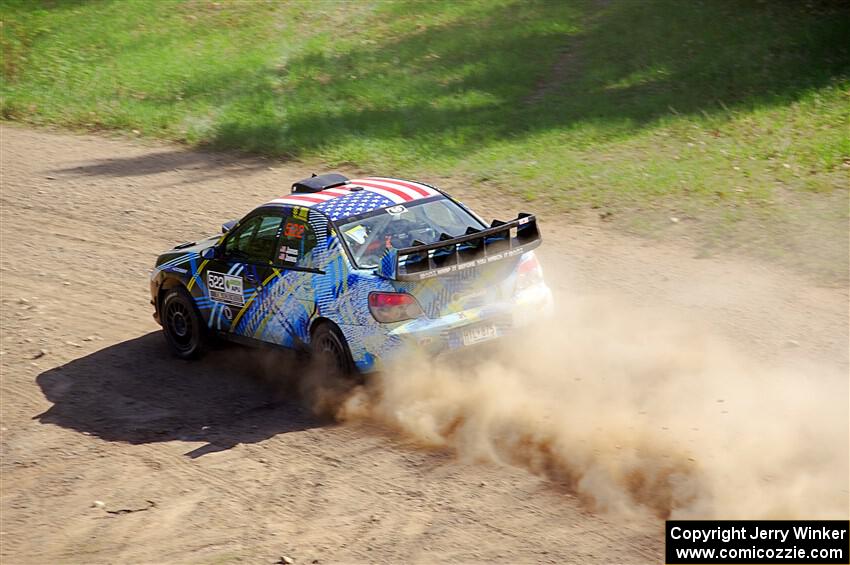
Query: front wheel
[182,325]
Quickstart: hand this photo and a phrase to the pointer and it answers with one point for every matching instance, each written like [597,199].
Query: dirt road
[112,451]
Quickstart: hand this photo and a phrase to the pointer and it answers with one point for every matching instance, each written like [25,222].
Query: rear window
[369,236]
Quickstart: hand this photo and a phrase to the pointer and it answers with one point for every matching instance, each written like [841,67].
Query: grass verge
[730,118]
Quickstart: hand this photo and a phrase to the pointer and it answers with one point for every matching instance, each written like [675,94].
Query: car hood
[188,248]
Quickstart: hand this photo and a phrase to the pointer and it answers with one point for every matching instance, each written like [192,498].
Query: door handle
[250,278]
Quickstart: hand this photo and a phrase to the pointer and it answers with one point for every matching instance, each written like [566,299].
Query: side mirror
[227,226]
[209,253]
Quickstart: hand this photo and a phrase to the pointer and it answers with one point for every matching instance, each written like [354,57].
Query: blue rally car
[354,271]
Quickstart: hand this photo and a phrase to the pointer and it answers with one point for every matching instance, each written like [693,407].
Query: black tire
[330,353]
[182,325]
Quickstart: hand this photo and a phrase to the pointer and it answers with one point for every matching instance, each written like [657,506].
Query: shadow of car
[136,392]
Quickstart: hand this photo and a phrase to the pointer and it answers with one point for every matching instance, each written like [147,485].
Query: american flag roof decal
[358,202]
[377,192]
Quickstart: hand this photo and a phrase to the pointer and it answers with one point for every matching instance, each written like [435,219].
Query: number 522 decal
[293,230]
[225,288]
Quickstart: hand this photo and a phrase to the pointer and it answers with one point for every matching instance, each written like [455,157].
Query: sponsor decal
[228,313]
[478,262]
[294,230]
[225,288]
[456,296]
[300,213]
[396,210]
[180,270]
[288,254]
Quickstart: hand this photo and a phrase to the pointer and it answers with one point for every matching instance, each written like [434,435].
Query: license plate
[477,334]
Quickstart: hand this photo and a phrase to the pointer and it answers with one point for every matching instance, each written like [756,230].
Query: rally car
[354,271]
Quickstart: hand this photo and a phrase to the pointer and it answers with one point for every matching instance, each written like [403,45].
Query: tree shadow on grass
[457,87]
[136,392]
[30,6]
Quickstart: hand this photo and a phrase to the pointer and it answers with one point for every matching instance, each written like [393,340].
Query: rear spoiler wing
[451,254]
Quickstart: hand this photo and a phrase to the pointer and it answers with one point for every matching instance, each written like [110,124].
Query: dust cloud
[631,413]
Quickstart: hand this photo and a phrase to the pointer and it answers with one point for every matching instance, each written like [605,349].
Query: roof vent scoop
[318,182]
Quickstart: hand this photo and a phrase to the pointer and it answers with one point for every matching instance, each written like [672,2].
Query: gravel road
[112,451]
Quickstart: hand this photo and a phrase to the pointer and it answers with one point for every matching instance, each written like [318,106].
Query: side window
[236,245]
[254,241]
[297,240]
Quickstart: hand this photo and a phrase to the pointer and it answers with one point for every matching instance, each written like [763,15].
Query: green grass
[732,116]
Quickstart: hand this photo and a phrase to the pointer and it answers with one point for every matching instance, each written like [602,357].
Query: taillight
[393,306]
[529,273]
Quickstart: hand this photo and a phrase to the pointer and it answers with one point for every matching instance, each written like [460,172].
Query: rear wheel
[330,352]
[182,325]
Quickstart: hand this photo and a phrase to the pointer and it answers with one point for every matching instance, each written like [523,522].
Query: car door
[290,296]
[235,279]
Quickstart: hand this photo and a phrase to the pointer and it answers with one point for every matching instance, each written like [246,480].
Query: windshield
[399,226]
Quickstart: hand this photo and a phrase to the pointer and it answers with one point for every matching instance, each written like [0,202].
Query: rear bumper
[456,332]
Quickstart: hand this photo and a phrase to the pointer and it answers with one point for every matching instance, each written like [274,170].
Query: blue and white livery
[356,271]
